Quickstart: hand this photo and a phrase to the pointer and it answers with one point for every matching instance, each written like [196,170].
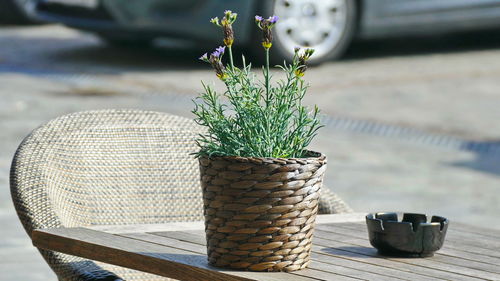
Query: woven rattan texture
[106,167]
[260,212]
[110,167]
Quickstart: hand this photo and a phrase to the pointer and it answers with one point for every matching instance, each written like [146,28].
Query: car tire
[12,13]
[333,44]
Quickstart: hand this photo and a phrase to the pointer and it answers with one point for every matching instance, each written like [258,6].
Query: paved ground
[413,124]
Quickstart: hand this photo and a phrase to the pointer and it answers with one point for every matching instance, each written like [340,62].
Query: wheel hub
[310,23]
[309,10]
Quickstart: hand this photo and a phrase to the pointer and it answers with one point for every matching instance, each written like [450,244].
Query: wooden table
[341,251]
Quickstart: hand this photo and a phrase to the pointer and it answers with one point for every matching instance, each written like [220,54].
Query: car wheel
[328,26]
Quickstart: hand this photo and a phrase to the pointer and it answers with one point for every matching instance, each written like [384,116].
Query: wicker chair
[110,167]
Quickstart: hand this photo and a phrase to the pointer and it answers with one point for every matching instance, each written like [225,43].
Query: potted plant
[260,183]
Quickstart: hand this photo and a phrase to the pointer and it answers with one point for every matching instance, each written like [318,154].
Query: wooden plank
[490,232]
[198,238]
[341,218]
[446,250]
[356,221]
[454,234]
[340,267]
[323,275]
[147,257]
[197,225]
[370,256]
[361,265]
[475,264]
[182,237]
[142,228]
[439,268]
[348,235]
[191,236]
[348,271]
[444,263]
[352,259]
[472,239]
[451,246]
[167,241]
[201,249]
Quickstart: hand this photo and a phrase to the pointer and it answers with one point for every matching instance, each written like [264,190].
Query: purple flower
[273,19]
[204,57]
[266,25]
[215,61]
[219,51]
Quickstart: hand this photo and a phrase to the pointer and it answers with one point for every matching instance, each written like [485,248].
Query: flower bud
[302,58]
[215,21]
[226,23]
[267,38]
[228,35]
[266,25]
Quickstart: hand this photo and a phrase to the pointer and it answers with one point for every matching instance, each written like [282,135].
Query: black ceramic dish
[411,237]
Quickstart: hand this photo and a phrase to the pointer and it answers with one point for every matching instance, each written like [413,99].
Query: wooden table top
[341,251]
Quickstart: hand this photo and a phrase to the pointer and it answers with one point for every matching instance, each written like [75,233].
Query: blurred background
[409,90]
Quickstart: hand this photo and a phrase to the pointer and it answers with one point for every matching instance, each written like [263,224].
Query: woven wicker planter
[260,212]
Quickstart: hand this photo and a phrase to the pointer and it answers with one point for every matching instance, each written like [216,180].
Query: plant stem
[267,116]
[267,75]
[231,57]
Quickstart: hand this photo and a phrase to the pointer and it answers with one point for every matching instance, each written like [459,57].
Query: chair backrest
[107,167]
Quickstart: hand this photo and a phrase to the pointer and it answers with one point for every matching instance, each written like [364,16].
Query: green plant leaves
[258,119]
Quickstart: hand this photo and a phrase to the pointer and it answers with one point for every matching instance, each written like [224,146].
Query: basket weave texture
[260,212]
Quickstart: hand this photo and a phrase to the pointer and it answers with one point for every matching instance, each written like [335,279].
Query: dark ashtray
[411,237]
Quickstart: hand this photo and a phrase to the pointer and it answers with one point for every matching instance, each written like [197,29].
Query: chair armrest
[331,203]
[72,268]
[100,275]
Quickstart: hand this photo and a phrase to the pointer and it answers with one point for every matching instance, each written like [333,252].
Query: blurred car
[329,26]
[13,12]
